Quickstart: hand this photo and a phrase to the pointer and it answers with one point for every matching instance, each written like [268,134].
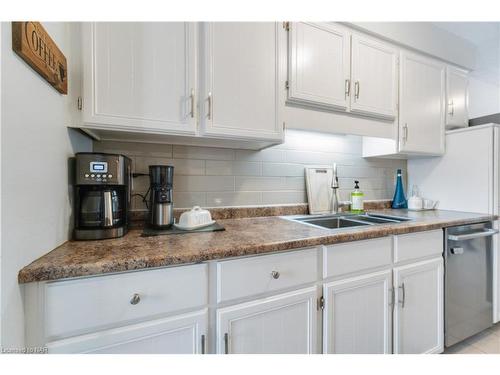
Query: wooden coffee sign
[32,42]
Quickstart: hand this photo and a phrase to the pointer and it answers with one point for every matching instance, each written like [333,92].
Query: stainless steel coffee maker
[102,195]
[161,205]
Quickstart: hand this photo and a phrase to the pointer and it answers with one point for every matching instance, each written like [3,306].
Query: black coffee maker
[161,205]
[102,195]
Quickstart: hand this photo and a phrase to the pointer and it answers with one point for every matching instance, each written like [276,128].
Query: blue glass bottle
[399,200]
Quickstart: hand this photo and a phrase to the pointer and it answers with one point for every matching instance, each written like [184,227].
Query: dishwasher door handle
[471,236]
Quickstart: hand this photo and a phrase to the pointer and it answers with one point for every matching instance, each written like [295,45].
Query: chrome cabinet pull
[209,113]
[347,88]
[457,250]
[451,112]
[202,344]
[403,301]
[275,275]
[136,298]
[405,133]
[192,103]
[226,343]
[356,90]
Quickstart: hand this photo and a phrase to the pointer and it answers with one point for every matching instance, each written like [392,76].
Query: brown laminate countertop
[244,236]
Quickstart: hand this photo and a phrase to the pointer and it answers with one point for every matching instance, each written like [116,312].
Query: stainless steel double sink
[339,221]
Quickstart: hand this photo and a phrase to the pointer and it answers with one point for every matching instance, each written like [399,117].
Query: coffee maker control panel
[102,169]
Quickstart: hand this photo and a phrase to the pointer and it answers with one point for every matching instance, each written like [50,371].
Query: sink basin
[334,222]
[348,220]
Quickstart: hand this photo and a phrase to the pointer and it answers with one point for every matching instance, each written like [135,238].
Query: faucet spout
[335,187]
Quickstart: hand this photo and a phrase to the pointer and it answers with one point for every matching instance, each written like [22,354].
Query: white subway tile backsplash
[205,153]
[267,155]
[269,183]
[233,168]
[181,166]
[238,198]
[133,149]
[282,169]
[203,183]
[283,197]
[185,199]
[208,176]
[259,183]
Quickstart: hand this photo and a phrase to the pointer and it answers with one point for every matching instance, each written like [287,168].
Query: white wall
[35,147]
[484,98]
[425,37]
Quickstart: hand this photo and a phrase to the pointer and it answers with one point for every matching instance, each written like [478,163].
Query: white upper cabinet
[241,67]
[418,317]
[330,68]
[140,76]
[374,78]
[457,90]
[421,105]
[319,65]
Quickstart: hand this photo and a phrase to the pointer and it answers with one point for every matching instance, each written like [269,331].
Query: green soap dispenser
[357,197]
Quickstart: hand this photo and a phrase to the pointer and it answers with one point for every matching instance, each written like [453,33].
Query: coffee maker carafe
[102,195]
[161,206]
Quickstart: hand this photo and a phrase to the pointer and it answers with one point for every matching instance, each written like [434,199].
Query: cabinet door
[422,105]
[183,334]
[241,68]
[374,78]
[457,86]
[418,317]
[357,315]
[318,65]
[283,324]
[140,76]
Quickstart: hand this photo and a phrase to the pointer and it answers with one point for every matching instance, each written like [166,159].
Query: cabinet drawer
[349,257]
[418,245]
[83,305]
[250,276]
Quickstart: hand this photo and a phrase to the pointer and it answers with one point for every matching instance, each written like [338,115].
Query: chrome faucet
[335,187]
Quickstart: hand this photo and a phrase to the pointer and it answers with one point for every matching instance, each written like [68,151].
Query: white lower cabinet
[357,315]
[418,316]
[381,295]
[284,324]
[182,334]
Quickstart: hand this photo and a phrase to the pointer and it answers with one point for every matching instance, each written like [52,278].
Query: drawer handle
[275,275]
[136,298]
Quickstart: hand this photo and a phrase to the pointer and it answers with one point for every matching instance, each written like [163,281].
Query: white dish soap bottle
[357,198]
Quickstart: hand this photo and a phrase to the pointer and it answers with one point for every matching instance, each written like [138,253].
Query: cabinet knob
[275,274]
[136,298]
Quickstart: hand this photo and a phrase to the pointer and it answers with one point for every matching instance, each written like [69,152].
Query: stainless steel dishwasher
[468,258]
